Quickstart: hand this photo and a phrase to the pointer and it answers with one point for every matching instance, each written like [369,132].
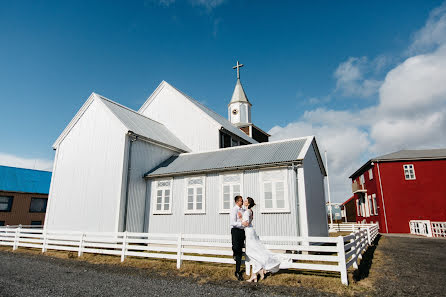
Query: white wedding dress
[256,253]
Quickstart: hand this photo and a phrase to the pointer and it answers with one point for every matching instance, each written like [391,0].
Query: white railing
[348,227]
[427,228]
[331,253]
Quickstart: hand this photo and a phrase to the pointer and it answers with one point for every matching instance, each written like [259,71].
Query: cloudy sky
[364,78]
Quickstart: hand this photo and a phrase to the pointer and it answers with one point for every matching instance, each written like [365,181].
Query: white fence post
[44,233]
[124,246]
[355,248]
[81,245]
[179,253]
[16,238]
[341,260]
[368,236]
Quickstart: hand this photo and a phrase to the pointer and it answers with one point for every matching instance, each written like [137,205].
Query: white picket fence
[348,227]
[427,228]
[336,253]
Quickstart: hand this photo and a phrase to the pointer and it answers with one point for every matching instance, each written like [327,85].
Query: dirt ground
[393,266]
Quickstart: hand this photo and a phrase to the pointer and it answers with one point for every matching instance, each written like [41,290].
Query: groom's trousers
[238,241]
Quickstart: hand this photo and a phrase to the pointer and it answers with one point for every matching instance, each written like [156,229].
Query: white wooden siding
[145,156]
[86,188]
[214,222]
[315,195]
[183,119]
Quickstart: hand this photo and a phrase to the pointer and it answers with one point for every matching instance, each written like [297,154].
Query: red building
[395,188]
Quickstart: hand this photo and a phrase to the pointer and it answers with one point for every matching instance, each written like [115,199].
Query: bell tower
[239,109]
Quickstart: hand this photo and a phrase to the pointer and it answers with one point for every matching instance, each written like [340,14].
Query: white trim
[154,196]
[186,187]
[231,199]
[306,146]
[382,197]
[50,193]
[284,180]
[303,219]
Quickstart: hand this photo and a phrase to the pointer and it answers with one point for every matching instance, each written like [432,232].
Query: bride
[261,259]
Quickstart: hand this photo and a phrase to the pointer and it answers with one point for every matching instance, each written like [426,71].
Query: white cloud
[350,77]
[207,4]
[432,34]
[410,113]
[15,161]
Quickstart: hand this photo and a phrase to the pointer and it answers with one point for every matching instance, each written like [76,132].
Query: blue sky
[307,64]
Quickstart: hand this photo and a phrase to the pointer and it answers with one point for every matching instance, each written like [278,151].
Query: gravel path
[37,275]
[415,267]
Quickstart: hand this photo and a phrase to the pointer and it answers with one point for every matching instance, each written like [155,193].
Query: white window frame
[375,206]
[187,186]
[231,184]
[370,174]
[410,175]
[370,203]
[362,179]
[274,209]
[155,189]
[358,208]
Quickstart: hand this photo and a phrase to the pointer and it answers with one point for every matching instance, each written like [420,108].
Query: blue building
[23,196]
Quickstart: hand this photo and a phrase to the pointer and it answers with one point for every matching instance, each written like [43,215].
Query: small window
[36,223]
[162,195]
[231,187]
[5,203]
[370,206]
[375,206]
[195,195]
[38,205]
[2,223]
[361,179]
[235,142]
[370,174]
[274,198]
[409,171]
[358,209]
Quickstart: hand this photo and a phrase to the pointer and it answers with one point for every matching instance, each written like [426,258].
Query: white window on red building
[371,211]
[375,206]
[370,174]
[361,179]
[409,171]
[358,209]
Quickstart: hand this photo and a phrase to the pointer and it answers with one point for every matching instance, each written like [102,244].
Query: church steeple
[239,108]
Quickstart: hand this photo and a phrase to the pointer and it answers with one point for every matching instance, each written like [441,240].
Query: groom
[237,234]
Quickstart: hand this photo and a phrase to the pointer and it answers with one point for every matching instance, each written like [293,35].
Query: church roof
[246,156]
[13,179]
[239,94]
[223,122]
[144,126]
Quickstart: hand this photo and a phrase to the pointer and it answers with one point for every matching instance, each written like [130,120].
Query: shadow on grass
[366,262]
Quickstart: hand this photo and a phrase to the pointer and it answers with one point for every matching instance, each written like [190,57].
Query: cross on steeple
[238,69]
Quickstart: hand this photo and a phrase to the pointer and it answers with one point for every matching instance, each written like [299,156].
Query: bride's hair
[251,202]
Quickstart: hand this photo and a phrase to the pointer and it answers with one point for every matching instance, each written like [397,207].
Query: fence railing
[348,227]
[427,228]
[309,253]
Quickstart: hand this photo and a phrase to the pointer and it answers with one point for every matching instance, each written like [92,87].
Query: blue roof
[14,179]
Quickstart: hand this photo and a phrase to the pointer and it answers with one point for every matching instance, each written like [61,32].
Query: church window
[231,186]
[195,195]
[274,194]
[409,171]
[163,197]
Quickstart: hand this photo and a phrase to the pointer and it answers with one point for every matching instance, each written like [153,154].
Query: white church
[174,166]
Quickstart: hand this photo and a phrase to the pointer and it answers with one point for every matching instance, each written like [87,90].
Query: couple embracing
[261,259]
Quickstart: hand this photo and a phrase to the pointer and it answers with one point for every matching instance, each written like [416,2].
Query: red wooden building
[395,188]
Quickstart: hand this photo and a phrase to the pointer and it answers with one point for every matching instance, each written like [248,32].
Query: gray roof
[144,126]
[413,154]
[227,125]
[253,155]
[404,155]
[239,94]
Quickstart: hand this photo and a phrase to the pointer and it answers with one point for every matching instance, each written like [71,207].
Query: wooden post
[179,253]
[44,233]
[341,260]
[124,246]
[17,238]
[81,245]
